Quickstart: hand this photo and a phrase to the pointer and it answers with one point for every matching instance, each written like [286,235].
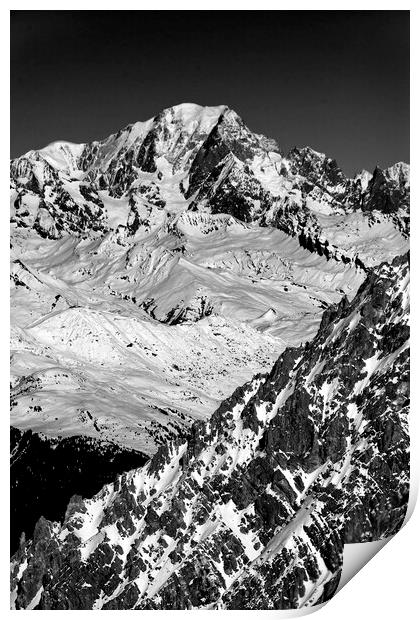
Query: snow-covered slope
[251,509]
[170,324]
[185,251]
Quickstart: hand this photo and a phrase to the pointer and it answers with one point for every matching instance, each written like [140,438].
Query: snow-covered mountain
[252,508]
[155,271]
[195,158]
[191,221]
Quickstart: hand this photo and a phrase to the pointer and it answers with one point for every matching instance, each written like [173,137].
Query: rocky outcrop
[317,168]
[233,189]
[388,192]
[194,311]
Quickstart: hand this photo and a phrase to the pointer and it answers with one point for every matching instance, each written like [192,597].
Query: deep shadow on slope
[45,473]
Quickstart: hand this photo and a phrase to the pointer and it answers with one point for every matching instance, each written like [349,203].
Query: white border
[387,585]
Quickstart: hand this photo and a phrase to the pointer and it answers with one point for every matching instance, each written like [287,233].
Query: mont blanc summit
[224,327]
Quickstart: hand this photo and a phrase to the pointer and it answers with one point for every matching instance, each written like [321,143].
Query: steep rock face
[232,188]
[251,509]
[229,137]
[316,167]
[175,135]
[45,472]
[388,192]
[69,188]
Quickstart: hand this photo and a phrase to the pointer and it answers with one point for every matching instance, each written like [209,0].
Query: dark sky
[337,81]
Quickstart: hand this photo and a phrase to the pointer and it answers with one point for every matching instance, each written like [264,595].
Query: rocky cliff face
[251,509]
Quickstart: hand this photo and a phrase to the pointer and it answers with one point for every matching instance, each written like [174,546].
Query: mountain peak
[193,111]
[399,172]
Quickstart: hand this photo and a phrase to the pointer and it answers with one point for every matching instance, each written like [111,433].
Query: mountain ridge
[165,148]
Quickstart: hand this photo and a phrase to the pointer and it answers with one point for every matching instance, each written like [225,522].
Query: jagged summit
[193,119]
[201,156]
[399,172]
[193,114]
[188,114]
[186,118]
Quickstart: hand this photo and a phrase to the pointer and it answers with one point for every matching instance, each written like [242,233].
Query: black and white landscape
[209,367]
